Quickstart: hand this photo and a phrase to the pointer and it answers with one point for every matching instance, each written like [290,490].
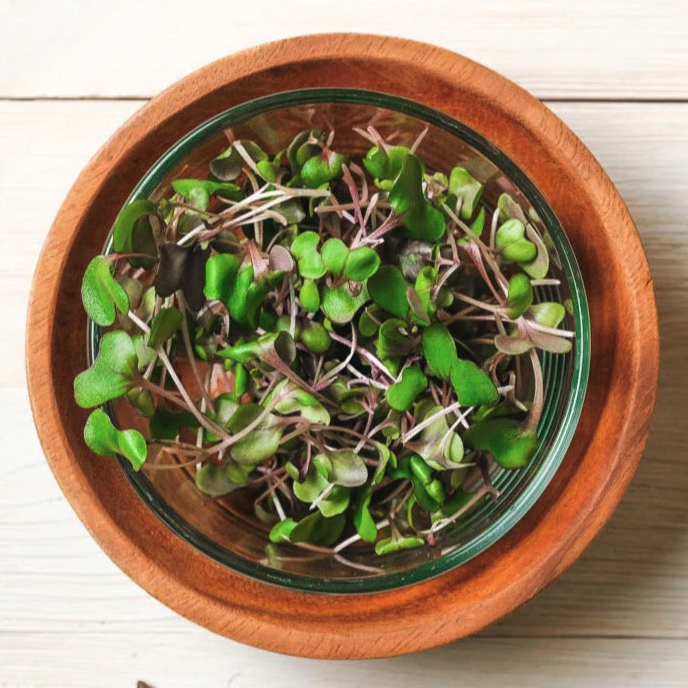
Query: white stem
[208,425]
[355,538]
[365,353]
[428,421]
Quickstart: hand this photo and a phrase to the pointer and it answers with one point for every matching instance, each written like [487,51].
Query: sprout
[342,357]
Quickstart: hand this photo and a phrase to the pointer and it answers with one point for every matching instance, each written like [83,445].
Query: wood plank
[559,49]
[194,658]
[43,148]
[61,592]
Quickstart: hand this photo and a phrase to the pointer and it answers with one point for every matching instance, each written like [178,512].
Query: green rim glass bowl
[225,529]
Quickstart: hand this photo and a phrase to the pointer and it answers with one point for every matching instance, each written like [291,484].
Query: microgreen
[466,190]
[101,293]
[103,438]
[421,219]
[326,336]
[133,233]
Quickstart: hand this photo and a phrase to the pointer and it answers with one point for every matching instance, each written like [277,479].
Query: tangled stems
[342,339]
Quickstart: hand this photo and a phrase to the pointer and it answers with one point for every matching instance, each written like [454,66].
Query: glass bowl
[225,529]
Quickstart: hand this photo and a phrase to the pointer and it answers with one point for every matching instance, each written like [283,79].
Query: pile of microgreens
[342,338]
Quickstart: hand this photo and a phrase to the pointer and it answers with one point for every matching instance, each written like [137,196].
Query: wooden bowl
[581,497]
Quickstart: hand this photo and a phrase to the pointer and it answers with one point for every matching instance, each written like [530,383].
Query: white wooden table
[72,71]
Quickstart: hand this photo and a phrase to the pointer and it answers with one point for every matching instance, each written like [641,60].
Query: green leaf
[505,439]
[292,211]
[312,486]
[319,530]
[512,345]
[340,305]
[111,374]
[316,338]
[297,400]
[509,232]
[361,263]
[305,242]
[465,188]
[164,326]
[101,294]
[304,249]
[144,354]
[227,166]
[387,288]
[550,342]
[225,407]
[401,395]
[438,450]
[241,380]
[255,298]
[305,528]
[311,266]
[255,152]
[421,219]
[348,469]
[141,400]
[439,350]
[261,443]
[385,165]
[236,303]
[334,255]
[336,502]
[473,386]
[281,531]
[548,313]
[133,289]
[509,209]
[362,520]
[198,191]
[425,501]
[421,470]
[302,147]
[511,243]
[368,323]
[391,545]
[213,480]
[478,224]
[133,233]
[268,170]
[386,458]
[239,475]
[538,267]
[458,500]
[244,352]
[310,296]
[425,281]
[323,168]
[103,438]
[166,425]
[418,312]
[520,251]
[393,340]
[519,297]
[220,277]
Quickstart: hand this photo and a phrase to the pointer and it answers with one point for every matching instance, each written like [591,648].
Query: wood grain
[200,660]
[68,617]
[642,550]
[586,488]
[562,49]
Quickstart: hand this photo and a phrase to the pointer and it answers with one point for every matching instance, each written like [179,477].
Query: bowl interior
[226,529]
